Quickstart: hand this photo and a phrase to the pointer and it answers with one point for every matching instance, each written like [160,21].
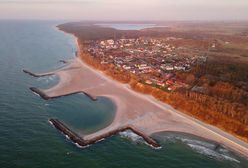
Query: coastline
[161,104]
[160,117]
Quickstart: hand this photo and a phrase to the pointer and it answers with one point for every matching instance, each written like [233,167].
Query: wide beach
[140,111]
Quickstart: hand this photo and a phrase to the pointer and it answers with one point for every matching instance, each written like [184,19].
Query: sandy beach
[140,111]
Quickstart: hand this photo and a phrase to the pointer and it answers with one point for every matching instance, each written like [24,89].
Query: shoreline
[161,104]
[147,114]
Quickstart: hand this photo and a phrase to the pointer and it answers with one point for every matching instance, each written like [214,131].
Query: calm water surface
[27,140]
[126,26]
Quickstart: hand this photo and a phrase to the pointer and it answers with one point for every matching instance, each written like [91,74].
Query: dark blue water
[27,140]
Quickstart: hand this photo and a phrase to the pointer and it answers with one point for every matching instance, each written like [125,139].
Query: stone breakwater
[38,75]
[46,97]
[32,74]
[83,142]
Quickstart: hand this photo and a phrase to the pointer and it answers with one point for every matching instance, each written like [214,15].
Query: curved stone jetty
[83,142]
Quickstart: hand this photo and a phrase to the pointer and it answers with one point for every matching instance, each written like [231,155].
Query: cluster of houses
[144,57]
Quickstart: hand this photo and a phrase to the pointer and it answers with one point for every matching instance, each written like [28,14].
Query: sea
[28,140]
[127,26]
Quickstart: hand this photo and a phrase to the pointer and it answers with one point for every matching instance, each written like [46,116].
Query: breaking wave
[131,135]
[212,153]
[47,79]
[210,149]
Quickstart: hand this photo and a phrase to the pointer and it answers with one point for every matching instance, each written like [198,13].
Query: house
[110,42]
[179,68]
[126,67]
[170,82]
[102,43]
[160,84]
[104,62]
[148,82]
[169,68]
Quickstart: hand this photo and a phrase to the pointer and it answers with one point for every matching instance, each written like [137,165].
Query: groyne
[65,130]
[63,61]
[85,142]
[40,93]
[46,97]
[93,98]
[36,75]
[30,73]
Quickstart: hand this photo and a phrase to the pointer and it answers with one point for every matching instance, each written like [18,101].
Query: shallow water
[81,114]
[29,141]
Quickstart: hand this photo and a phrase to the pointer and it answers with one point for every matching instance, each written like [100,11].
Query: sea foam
[200,146]
[208,149]
[131,135]
[212,153]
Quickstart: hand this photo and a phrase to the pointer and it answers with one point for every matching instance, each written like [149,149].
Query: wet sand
[137,110]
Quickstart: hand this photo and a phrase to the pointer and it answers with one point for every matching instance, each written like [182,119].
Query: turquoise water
[27,140]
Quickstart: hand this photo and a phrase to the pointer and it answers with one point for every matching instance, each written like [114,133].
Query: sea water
[27,140]
[127,26]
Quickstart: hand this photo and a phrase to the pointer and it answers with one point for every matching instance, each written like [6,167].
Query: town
[154,61]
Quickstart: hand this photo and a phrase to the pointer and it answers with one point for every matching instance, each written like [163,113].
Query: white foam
[46,79]
[153,147]
[36,94]
[197,142]
[79,146]
[51,77]
[67,137]
[130,135]
[203,147]
[230,158]
[50,122]
[100,140]
[223,150]
[212,153]
[82,147]
[136,138]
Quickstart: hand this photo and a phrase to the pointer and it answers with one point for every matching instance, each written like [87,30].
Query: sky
[127,10]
